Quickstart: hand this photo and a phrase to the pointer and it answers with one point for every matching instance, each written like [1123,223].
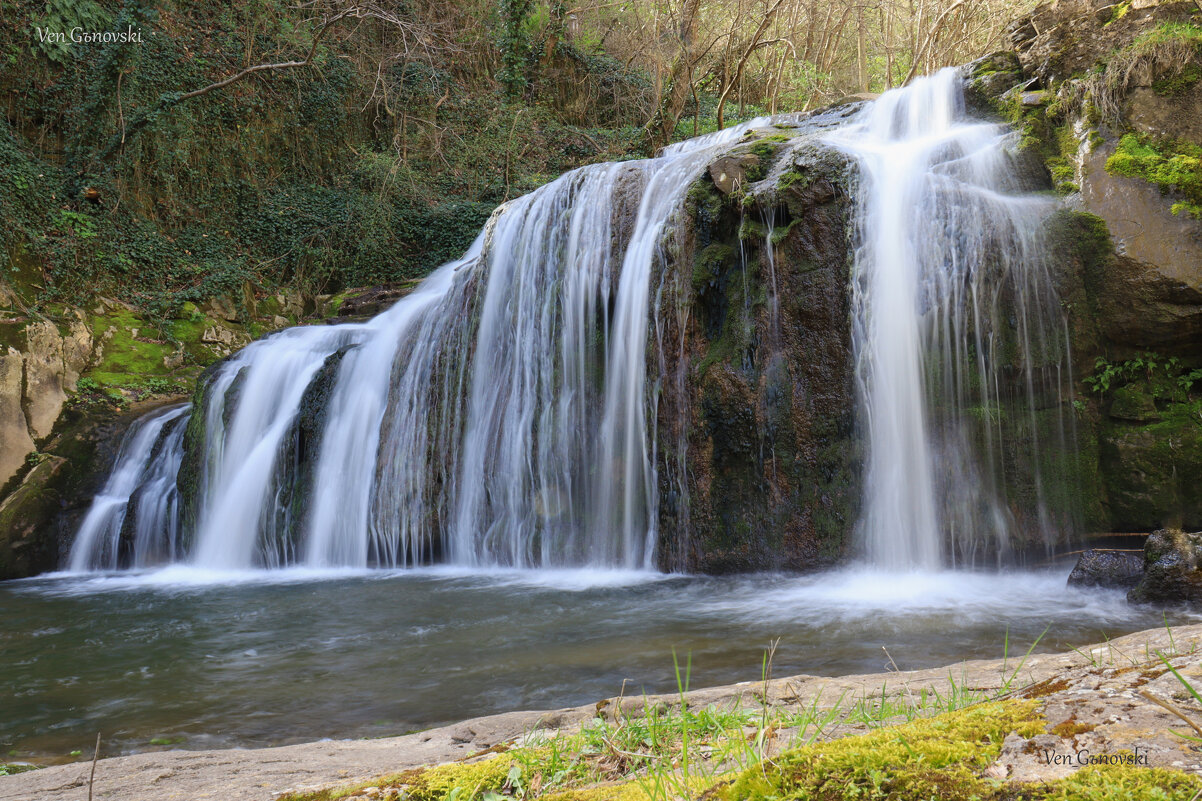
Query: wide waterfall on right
[957,326]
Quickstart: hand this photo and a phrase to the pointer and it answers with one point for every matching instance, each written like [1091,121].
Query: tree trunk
[680,80]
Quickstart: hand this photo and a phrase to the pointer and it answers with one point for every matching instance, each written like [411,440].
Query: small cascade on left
[134,521]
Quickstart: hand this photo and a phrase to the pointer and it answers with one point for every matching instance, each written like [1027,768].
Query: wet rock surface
[59,433]
[1106,568]
[755,424]
[1172,569]
[1150,294]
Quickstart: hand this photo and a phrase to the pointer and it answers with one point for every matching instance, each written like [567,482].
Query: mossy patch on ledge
[1169,165]
[936,758]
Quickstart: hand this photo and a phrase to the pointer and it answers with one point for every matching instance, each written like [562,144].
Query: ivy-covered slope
[379,159]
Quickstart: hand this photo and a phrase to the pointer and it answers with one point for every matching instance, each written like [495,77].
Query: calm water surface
[211,660]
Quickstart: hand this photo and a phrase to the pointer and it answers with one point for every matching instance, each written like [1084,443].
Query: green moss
[941,757]
[625,791]
[1063,172]
[11,768]
[767,147]
[1170,32]
[704,201]
[1188,209]
[268,307]
[1152,469]
[1056,144]
[24,274]
[751,229]
[709,264]
[12,334]
[935,758]
[1122,783]
[781,232]
[1062,165]
[457,780]
[131,352]
[1081,235]
[336,302]
[792,177]
[1003,61]
[1178,82]
[1169,165]
[1132,402]
[140,355]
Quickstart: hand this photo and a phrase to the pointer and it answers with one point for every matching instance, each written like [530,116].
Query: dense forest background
[322,144]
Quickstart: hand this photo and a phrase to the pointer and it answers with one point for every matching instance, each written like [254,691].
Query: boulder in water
[1171,569]
[1107,568]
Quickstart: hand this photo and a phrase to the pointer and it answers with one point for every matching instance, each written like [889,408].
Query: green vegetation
[1169,53]
[167,740]
[1171,166]
[12,768]
[918,745]
[1169,33]
[1167,379]
[936,758]
[362,168]
[1043,131]
[234,149]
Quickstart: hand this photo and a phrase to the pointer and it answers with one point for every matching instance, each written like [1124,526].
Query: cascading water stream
[498,415]
[144,481]
[955,323]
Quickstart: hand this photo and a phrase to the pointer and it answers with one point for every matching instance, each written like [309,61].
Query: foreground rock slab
[1108,698]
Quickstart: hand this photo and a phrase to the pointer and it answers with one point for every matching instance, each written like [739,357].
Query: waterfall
[957,327]
[501,414]
[143,481]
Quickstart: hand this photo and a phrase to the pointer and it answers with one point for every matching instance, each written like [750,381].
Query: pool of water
[203,660]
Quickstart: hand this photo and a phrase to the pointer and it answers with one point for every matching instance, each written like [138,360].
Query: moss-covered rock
[1172,569]
[755,416]
[1152,471]
[1133,404]
[39,518]
[454,781]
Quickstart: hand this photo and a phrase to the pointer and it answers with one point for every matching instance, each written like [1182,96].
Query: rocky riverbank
[1113,699]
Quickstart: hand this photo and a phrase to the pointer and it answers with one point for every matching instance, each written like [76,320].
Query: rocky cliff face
[1110,96]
